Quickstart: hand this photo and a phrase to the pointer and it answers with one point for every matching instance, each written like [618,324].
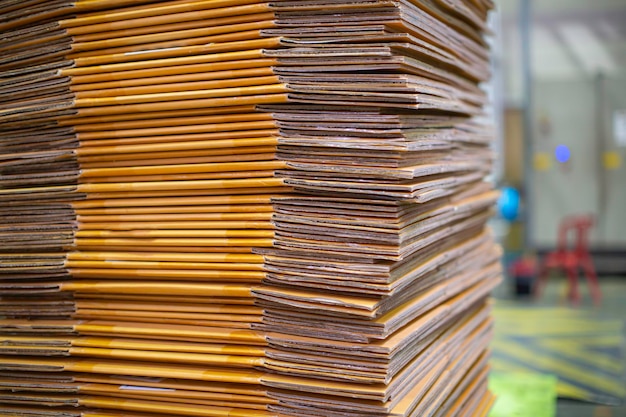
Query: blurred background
[560,94]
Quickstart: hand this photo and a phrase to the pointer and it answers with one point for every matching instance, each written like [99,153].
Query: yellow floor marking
[562,367]
[573,327]
[564,389]
[602,341]
[557,329]
[577,351]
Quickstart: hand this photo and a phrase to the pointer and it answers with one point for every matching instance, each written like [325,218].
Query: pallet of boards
[245,208]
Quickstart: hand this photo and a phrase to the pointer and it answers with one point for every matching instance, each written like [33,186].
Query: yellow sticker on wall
[542,161]
[612,160]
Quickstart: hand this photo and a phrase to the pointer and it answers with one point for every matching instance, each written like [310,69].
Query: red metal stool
[571,259]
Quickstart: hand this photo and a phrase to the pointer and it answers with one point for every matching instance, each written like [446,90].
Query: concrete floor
[612,307]
[568,408]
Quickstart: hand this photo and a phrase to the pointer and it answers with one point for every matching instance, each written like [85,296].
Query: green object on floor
[523,394]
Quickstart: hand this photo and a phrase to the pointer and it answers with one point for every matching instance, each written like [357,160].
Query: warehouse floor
[584,346]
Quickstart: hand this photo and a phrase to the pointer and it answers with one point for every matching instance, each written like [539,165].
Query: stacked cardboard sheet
[243,208]
[375,302]
[164,171]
